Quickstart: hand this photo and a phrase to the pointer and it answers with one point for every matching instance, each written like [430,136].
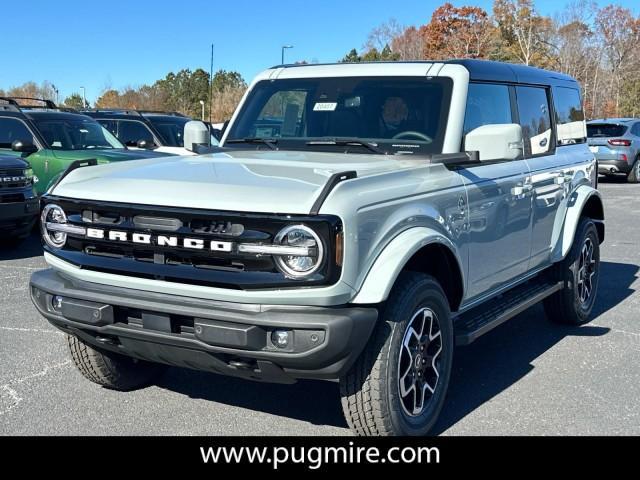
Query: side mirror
[145,144]
[196,133]
[495,142]
[24,146]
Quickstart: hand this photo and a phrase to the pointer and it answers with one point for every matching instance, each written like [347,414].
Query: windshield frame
[387,146]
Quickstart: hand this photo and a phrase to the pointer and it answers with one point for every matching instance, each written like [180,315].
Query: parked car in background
[18,202]
[615,142]
[150,130]
[52,138]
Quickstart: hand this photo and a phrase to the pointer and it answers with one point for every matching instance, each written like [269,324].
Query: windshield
[394,115]
[605,130]
[76,134]
[171,129]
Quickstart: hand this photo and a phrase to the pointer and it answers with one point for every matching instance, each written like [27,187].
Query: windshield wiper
[372,147]
[269,142]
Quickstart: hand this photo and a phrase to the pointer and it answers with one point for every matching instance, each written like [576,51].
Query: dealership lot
[526,377]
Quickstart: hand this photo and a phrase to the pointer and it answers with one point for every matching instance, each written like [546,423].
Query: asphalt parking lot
[525,377]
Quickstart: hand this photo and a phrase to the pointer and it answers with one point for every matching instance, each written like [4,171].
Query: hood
[11,161]
[249,181]
[108,155]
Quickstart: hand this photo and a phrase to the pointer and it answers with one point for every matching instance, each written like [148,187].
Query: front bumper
[18,217]
[221,337]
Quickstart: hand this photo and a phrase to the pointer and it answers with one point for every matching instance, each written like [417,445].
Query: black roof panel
[487,70]
[54,115]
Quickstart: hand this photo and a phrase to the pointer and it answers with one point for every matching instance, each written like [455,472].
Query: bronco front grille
[163,260]
[13,178]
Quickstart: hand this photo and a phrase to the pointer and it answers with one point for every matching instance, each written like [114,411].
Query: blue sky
[117,42]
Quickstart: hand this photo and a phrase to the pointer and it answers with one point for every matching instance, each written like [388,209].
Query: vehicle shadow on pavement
[501,358]
[613,179]
[316,402]
[481,371]
[29,248]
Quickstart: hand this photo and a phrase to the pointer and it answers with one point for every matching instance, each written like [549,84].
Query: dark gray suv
[615,142]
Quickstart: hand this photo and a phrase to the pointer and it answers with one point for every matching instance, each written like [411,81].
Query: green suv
[52,138]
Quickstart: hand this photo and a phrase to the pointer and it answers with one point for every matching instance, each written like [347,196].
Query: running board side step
[479,320]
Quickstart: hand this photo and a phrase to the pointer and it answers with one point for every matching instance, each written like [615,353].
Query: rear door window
[535,120]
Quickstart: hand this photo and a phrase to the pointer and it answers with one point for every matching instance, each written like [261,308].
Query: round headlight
[299,236]
[30,176]
[53,214]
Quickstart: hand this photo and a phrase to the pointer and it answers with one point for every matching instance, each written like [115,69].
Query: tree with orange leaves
[457,32]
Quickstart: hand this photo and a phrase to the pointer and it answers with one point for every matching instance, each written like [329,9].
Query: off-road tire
[369,391]
[565,306]
[109,369]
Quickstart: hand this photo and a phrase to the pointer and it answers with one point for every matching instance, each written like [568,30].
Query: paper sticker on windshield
[325,106]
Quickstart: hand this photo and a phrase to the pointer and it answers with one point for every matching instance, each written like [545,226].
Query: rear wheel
[579,272]
[111,370]
[399,383]
[634,174]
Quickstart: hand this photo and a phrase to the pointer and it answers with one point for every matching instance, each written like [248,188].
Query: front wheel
[579,271]
[399,383]
[110,369]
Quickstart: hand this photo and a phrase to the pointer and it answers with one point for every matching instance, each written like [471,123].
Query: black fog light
[56,303]
[281,338]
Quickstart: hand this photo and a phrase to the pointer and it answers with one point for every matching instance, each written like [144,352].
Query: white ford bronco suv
[359,221]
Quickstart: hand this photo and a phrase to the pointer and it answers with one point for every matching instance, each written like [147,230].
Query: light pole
[210,96]
[202,105]
[56,92]
[84,97]
[284,47]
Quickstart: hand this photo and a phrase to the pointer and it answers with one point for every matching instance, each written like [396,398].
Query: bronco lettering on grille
[159,240]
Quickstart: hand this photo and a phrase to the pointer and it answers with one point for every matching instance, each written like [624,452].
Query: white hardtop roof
[374,69]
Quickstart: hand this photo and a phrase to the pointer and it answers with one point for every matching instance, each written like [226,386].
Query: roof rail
[113,111]
[162,112]
[9,105]
[47,103]
[133,111]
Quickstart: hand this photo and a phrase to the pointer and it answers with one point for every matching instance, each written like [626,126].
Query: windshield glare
[77,134]
[398,115]
[171,129]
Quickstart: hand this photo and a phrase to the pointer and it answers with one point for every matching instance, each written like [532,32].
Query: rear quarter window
[569,116]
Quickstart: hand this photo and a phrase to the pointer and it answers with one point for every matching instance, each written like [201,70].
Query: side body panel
[499,224]
[554,180]
[425,201]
